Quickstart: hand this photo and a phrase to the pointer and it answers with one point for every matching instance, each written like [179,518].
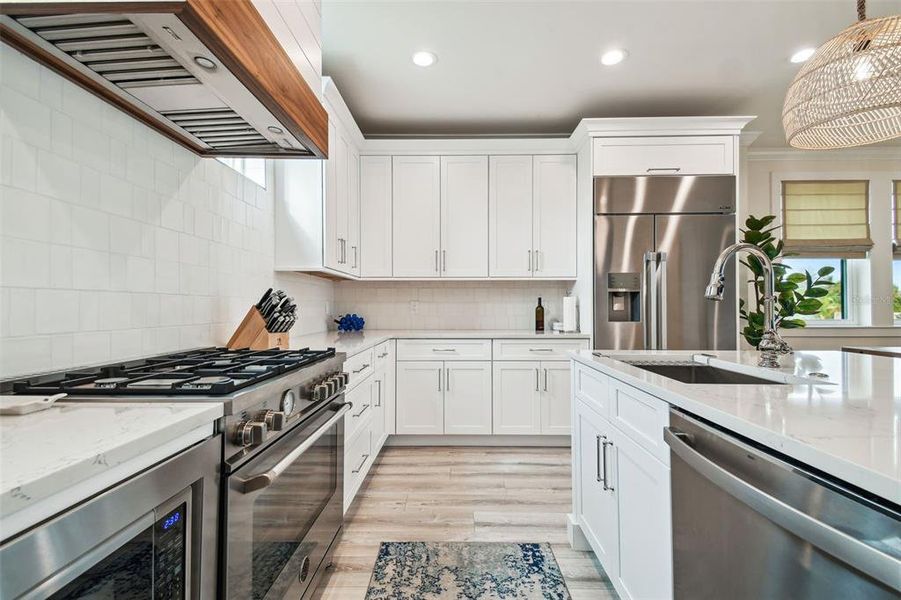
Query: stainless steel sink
[688,372]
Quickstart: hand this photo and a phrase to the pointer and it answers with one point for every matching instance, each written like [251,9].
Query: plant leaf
[825,271]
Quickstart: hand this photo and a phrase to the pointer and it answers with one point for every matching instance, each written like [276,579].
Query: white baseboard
[577,540]
[479,440]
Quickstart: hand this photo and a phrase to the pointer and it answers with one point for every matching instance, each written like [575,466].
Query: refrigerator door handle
[660,278]
[650,303]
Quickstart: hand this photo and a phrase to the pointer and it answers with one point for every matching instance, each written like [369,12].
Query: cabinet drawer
[641,417]
[688,155]
[592,387]
[359,367]
[537,349]
[381,353]
[361,397]
[443,349]
[357,460]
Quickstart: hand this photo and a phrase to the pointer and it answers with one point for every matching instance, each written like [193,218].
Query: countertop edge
[875,483]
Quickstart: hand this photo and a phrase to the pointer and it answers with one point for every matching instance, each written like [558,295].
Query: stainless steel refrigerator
[655,242]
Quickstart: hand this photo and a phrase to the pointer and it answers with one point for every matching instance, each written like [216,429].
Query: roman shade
[826,218]
[896,216]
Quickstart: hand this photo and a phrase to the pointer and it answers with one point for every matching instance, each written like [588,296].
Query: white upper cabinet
[684,155]
[416,186]
[554,216]
[510,216]
[464,216]
[339,162]
[332,214]
[352,263]
[375,216]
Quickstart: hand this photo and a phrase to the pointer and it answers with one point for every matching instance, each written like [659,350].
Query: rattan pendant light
[849,92]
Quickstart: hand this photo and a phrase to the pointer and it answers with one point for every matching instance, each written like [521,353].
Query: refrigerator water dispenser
[624,297]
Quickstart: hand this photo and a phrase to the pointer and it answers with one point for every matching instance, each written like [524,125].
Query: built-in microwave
[151,537]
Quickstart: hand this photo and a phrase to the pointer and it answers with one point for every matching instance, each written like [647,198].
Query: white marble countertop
[53,459]
[850,429]
[355,342]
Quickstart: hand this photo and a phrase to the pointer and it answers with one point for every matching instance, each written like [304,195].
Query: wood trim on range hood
[238,37]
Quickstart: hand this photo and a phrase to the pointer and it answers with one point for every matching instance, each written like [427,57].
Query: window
[835,303]
[826,218]
[896,264]
[252,168]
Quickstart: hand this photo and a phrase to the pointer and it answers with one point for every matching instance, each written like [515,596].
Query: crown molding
[865,153]
[659,126]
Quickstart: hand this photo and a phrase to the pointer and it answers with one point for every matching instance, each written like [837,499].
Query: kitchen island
[833,415]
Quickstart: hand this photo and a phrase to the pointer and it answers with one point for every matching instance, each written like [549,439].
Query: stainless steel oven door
[284,509]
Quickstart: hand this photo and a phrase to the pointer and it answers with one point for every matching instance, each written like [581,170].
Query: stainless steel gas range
[282,452]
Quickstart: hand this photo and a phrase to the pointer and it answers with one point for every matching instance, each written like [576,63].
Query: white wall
[762,169]
[450,305]
[116,242]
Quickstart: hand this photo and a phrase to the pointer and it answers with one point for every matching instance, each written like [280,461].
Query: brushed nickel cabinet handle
[604,445]
[597,458]
[444,260]
[362,410]
[545,380]
[536,380]
[530,260]
[365,457]
[436,261]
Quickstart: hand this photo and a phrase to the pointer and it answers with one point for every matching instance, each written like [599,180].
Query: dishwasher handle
[842,546]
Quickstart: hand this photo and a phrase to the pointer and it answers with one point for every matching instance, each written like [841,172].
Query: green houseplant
[796,293]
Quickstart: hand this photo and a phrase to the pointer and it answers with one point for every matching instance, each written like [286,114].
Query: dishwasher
[748,523]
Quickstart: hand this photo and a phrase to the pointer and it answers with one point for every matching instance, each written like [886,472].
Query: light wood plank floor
[462,494]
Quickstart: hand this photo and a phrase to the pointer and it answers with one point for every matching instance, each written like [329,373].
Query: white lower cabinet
[597,506]
[420,399]
[467,397]
[622,497]
[517,397]
[443,397]
[531,397]
[642,485]
[555,398]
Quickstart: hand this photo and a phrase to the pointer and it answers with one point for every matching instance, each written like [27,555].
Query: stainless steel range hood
[155,65]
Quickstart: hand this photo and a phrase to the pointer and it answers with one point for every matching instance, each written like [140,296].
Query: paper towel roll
[570,314]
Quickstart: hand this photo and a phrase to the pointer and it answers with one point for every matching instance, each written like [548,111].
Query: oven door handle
[263,480]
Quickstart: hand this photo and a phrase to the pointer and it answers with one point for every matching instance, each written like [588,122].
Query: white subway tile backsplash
[24,263]
[115,242]
[90,269]
[57,311]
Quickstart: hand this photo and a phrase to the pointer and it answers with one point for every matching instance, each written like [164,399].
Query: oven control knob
[320,392]
[343,378]
[250,433]
[275,420]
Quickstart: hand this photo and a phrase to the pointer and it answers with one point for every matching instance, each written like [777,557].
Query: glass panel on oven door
[287,516]
[127,572]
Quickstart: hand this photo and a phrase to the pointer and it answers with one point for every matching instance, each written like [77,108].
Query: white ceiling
[513,67]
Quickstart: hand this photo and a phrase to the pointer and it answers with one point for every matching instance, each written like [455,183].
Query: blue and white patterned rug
[466,571]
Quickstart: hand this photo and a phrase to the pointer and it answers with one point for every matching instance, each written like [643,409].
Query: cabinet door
[331,238]
[642,485]
[464,216]
[342,158]
[555,398]
[416,216]
[467,397]
[554,216]
[420,397]
[379,406]
[375,216]
[597,506]
[510,216]
[517,397]
[353,212]
[683,155]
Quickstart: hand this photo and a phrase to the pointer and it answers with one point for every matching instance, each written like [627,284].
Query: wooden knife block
[252,333]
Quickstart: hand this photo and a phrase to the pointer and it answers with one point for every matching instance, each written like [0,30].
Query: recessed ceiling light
[802,55]
[613,57]
[424,59]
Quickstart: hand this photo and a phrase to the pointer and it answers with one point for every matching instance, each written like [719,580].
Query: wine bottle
[539,317]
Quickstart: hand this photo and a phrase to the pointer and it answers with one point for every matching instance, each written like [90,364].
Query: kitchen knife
[263,299]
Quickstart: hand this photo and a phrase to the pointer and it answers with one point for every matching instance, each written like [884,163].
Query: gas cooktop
[206,371]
